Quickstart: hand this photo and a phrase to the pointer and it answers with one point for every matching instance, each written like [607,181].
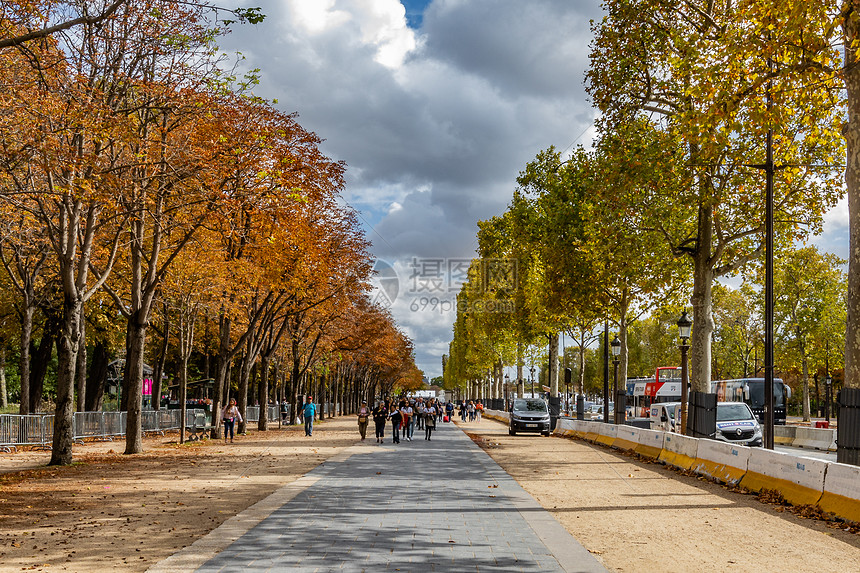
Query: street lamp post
[828,387]
[507,381]
[684,327]
[567,379]
[532,370]
[619,406]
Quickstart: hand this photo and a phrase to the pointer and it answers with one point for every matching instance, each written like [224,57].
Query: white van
[665,416]
[737,424]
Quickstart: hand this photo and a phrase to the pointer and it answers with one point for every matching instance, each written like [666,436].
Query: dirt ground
[112,511]
[638,516]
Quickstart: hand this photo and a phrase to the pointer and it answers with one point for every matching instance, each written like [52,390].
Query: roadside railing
[37,430]
[252,414]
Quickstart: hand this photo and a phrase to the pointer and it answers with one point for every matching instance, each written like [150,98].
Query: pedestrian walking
[479,409]
[396,420]
[449,409]
[408,414]
[419,414]
[309,412]
[363,418]
[380,415]
[229,416]
[470,409]
[429,420]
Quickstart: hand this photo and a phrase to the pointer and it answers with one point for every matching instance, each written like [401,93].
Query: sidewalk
[442,505]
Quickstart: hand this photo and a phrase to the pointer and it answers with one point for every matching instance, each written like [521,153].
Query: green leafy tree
[703,70]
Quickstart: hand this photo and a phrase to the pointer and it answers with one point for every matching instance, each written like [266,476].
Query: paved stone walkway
[442,505]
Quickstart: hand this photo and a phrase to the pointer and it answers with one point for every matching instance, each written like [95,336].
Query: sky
[435,106]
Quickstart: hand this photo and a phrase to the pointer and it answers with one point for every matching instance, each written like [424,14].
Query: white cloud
[317,16]
[434,125]
[381,24]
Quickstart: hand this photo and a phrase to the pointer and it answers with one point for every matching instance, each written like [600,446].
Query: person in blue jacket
[308,413]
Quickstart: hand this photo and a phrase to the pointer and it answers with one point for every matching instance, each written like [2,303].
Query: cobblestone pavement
[442,505]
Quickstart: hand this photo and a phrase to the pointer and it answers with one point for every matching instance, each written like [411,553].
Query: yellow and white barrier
[606,434]
[565,427]
[627,438]
[842,491]
[800,480]
[650,443]
[591,431]
[721,461]
[679,451]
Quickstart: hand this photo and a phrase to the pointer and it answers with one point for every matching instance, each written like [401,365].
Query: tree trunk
[24,359]
[158,371]
[81,367]
[132,381]
[4,397]
[67,350]
[553,365]
[221,367]
[39,360]
[263,393]
[703,321]
[294,384]
[851,29]
[805,376]
[97,378]
[520,383]
[244,377]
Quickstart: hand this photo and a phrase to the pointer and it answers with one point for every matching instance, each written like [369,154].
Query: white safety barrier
[841,493]
[650,443]
[679,451]
[627,438]
[579,428]
[834,487]
[606,434]
[591,431]
[816,438]
[721,461]
[564,427]
[497,415]
[784,435]
[800,480]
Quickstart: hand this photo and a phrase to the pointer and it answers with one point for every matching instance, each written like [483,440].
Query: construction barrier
[841,493]
[564,427]
[577,427]
[591,431]
[650,443]
[784,435]
[800,480]
[721,461]
[606,434]
[499,415]
[679,451]
[627,438]
[815,438]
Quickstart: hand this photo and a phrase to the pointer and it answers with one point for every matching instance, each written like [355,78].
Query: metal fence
[252,414]
[38,429]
